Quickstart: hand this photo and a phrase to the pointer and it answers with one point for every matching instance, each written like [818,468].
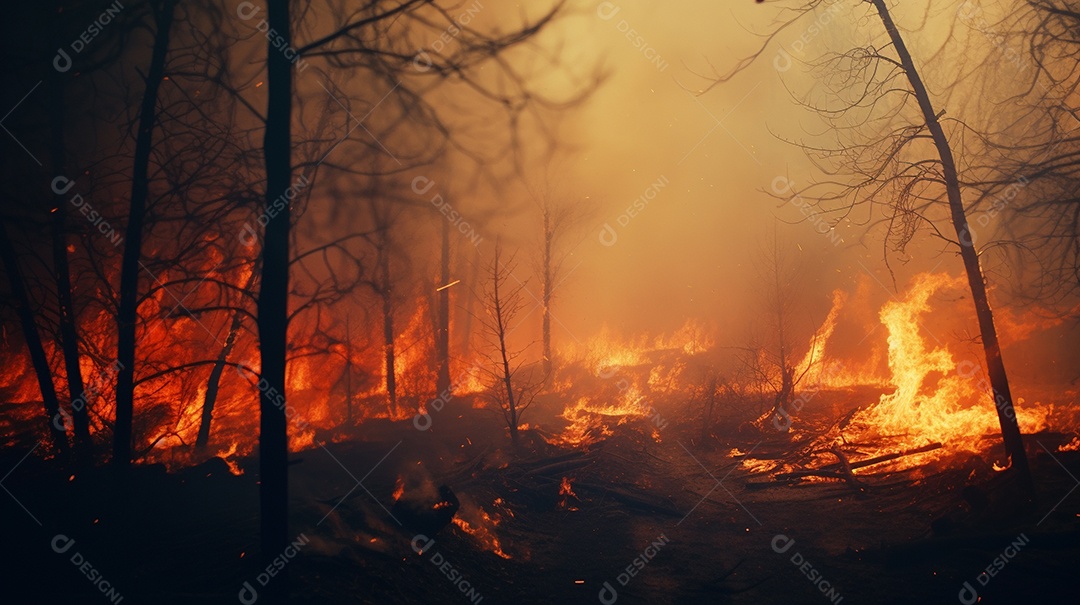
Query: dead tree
[213,383]
[33,342]
[442,316]
[503,300]
[919,189]
[773,362]
[995,365]
[130,268]
[384,215]
[558,217]
[1028,206]
[69,339]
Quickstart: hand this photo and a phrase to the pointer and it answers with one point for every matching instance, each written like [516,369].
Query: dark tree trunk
[33,342]
[213,383]
[69,340]
[388,326]
[127,313]
[442,330]
[273,305]
[999,382]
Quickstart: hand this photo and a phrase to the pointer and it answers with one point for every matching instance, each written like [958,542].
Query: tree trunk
[213,383]
[505,358]
[273,305]
[442,330]
[1010,430]
[69,340]
[388,327]
[548,236]
[348,373]
[127,314]
[33,342]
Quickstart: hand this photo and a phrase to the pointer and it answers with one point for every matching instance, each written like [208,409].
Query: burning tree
[890,143]
[512,388]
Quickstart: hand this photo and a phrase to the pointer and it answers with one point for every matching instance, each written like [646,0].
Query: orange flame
[936,399]
[483,531]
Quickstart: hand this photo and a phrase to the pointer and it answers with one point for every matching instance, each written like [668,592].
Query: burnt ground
[190,537]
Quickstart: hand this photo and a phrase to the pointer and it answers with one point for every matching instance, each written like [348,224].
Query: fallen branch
[838,467]
[845,469]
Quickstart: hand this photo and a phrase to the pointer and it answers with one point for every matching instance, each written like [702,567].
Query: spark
[441,288]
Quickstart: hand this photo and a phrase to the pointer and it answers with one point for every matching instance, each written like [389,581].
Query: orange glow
[566,492]
[482,530]
[938,397]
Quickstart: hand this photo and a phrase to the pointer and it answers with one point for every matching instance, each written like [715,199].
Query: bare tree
[442,315]
[894,168]
[130,267]
[32,338]
[1028,206]
[69,338]
[213,383]
[559,215]
[503,299]
[384,215]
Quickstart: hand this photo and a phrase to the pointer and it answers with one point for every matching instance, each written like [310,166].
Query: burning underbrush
[874,379]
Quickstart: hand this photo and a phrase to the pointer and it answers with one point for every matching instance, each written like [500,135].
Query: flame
[566,487]
[590,422]
[935,398]
[483,531]
[234,467]
[606,351]
[815,353]
[566,492]
[399,488]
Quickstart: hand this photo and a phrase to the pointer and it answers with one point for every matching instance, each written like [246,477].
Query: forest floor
[680,506]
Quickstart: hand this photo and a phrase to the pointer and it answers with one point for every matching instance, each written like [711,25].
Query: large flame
[937,398]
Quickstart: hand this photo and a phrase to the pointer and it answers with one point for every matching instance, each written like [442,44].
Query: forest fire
[937,398]
[421,301]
